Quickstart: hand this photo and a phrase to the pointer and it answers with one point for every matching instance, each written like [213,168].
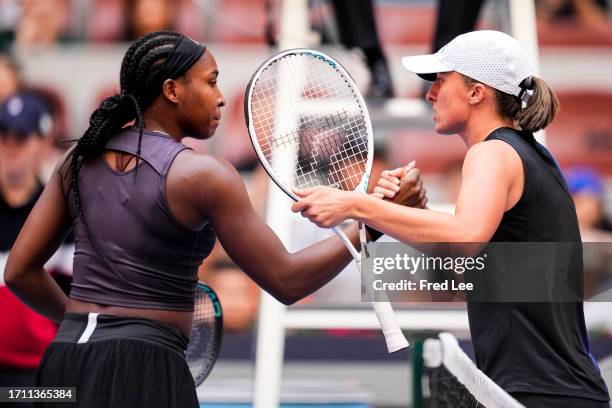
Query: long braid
[140,85]
[140,122]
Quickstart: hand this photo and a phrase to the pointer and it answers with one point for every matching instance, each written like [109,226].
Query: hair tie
[526,84]
[131,98]
[111,103]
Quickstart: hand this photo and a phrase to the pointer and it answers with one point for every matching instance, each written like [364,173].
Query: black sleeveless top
[147,258]
[527,346]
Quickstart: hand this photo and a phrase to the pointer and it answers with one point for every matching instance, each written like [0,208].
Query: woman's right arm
[220,196]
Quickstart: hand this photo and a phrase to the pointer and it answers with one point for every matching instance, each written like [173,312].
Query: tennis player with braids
[145,211]
[512,190]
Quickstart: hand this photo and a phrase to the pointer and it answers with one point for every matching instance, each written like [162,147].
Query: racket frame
[363,183]
[218,316]
[384,311]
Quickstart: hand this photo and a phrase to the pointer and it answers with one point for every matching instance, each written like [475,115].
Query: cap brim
[425,66]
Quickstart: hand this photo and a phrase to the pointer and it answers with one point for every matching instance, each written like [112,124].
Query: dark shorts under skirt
[118,362]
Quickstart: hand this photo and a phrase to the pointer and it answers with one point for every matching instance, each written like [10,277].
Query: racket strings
[326,142]
[202,351]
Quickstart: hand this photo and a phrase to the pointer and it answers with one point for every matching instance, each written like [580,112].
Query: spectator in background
[145,16]
[346,287]
[24,121]
[11,83]
[42,22]
[125,20]
[10,79]
[55,141]
[591,15]
[238,294]
[587,191]
[357,26]
[455,17]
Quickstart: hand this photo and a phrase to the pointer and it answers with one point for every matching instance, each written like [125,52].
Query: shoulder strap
[157,148]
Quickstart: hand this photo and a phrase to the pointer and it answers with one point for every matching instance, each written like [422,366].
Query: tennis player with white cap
[512,190]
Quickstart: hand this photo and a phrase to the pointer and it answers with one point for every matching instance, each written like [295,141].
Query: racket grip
[393,334]
[384,312]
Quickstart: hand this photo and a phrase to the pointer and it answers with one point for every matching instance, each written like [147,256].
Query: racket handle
[393,334]
[384,312]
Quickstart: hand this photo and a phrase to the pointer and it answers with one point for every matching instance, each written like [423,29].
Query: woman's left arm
[40,236]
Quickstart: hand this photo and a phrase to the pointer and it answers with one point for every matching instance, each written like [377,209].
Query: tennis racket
[310,127]
[206,333]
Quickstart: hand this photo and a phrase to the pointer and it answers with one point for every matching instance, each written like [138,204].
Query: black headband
[185,53]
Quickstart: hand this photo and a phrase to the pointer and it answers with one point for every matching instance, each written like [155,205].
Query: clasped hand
[328,207]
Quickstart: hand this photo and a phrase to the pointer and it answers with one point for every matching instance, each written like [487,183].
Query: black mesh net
[451,379]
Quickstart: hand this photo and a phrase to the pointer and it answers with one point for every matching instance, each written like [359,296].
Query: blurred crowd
[36,22]
[34,130]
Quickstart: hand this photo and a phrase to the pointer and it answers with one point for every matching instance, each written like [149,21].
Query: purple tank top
[149,259]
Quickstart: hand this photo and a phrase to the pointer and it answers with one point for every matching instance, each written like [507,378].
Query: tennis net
[452,380]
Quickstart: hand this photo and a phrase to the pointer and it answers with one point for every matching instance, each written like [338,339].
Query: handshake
[328,207]
[403,186]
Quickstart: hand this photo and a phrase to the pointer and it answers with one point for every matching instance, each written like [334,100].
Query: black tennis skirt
[117,362]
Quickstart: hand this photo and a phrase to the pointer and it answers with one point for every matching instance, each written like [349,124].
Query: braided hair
[141,82]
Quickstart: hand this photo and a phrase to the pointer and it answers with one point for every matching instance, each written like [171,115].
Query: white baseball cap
[491,57]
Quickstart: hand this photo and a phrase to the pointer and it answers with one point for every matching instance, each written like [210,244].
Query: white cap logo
[15,106]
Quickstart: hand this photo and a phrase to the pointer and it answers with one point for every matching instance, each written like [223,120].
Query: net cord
[446,351]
